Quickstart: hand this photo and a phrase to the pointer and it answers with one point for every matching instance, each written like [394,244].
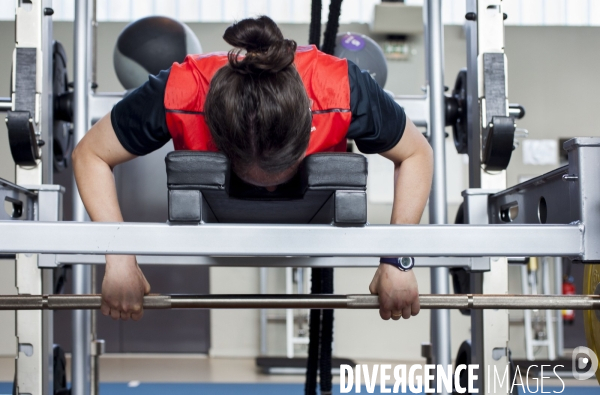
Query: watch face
[405,262]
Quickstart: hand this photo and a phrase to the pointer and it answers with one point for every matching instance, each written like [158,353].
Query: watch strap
[402,263]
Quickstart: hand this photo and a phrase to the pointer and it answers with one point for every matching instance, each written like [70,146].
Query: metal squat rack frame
[542,226]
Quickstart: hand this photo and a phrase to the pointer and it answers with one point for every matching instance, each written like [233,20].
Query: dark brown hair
[257,108]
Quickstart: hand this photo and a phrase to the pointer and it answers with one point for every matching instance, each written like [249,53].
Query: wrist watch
[404,263]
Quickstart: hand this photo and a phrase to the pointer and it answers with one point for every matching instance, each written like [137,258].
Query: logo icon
[353,42]
[585,363]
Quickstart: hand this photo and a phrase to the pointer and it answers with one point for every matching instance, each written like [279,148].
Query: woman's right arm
[94,158]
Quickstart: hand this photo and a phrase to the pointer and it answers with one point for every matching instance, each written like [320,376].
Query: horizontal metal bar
[286,301]
[18,200]
[546,178]
[17,188]
[5,104]
[102,103]
[516,110]
[416,108]
[290,240]
[464,262]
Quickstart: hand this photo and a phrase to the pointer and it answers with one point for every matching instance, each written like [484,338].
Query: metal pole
[473,110]
[440,319]
[95,353]
[5,104]
[81,354]
[94,47]
[82,84]
[435,80]
[325,301]
[97,345]
[263,313]
[527,315]
[558,278]
[289,315]
[548,314]
[47,113]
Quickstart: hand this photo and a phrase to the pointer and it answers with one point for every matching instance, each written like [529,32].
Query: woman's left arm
[413,171]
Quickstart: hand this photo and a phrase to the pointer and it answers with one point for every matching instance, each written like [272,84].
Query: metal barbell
[468,301]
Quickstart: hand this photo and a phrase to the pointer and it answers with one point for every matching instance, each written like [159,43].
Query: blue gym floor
[250,389]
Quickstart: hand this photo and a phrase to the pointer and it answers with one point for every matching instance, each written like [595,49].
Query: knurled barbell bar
[512,302]
[590,302]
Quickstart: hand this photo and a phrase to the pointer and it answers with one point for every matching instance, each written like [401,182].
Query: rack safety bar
[291,240]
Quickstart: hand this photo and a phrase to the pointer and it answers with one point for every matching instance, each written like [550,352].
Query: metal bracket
[21,199]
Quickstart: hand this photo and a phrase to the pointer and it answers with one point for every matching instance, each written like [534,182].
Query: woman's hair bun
[266,49]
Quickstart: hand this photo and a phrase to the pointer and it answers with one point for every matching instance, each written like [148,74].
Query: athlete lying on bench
[266,111]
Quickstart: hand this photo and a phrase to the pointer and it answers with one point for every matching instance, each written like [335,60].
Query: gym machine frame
[266,245]
[426,111]
[571,236]
[485,36]
[276,240]
[30,112]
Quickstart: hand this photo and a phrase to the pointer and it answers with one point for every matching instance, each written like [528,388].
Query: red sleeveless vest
[325,79]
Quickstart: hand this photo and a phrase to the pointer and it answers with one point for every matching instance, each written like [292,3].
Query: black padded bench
[329,188]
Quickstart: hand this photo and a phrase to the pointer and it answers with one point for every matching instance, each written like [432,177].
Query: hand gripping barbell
[590,302]
[238,301]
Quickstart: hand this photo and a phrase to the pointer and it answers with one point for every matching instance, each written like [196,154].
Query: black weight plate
[62,133]
[60,371]
[459,126]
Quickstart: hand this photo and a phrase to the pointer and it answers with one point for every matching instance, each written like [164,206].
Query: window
[285,11]
[520,12]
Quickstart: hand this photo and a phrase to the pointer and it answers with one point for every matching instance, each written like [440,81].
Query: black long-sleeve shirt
[377,124]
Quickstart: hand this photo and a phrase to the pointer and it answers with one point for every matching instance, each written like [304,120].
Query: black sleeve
[377,120]
[139,119]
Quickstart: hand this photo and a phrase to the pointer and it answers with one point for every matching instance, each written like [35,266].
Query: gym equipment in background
[364,52]
[150,45]
[497,147]
[24,135]
[560,239]
[63,109]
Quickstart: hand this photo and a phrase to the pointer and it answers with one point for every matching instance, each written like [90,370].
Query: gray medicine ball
[364,52]
[150,45]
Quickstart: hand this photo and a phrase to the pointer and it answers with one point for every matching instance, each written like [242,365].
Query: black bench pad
[328,188]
